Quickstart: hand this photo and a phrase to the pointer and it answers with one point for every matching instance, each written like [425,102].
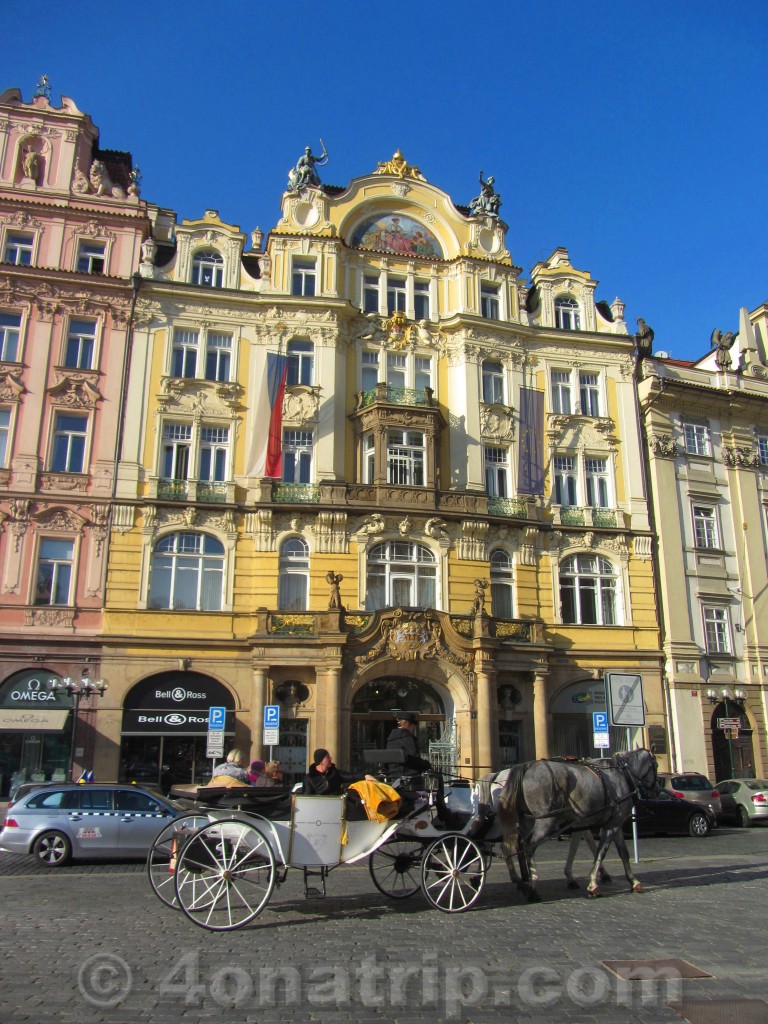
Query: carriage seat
[270,802]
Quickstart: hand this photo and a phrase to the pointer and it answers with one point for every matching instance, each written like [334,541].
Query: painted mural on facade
[397,234]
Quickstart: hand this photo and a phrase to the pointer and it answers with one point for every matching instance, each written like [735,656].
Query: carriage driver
[404,738]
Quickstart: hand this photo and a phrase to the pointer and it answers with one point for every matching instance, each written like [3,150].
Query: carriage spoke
[453,873]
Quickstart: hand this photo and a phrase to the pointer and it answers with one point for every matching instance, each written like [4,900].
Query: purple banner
[530,465]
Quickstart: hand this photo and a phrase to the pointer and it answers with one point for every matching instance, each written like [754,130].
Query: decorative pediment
[301,404]
[199,398]
[412,636]
[75,390]
[62,520]
[581,432]
[11,386]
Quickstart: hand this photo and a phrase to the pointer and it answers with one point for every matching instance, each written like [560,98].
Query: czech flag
[268,442]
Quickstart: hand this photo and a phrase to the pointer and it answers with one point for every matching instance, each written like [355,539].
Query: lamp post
[77,690]
[737,697]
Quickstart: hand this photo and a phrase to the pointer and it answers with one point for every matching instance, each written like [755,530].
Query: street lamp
[77,690]
[737,697]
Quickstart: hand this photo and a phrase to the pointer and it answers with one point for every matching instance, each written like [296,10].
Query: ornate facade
[454,520]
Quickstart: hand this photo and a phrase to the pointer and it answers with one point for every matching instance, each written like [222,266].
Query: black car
[671,815]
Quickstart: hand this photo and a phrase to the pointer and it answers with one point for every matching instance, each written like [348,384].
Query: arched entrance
[165,728]
[372,717]
[732,749]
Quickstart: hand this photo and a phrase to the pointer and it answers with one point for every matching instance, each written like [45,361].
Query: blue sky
[632,133]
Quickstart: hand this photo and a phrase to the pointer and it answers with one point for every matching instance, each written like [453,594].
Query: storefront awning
[29,720]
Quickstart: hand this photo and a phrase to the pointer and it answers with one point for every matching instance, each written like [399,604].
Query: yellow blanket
[380,800]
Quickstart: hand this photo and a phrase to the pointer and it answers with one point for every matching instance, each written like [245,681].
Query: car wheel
[52,849]
[744,819]
[699,825]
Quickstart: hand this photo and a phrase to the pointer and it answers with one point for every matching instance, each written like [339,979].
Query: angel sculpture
[724,344]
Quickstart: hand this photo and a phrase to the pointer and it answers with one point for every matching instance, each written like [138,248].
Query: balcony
[295,494]
[382,393]
[212,492]
[573,515]
[173,490]
[513,508]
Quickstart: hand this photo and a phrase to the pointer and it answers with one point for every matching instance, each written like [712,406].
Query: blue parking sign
[600,721]
[217,719]
[271,716]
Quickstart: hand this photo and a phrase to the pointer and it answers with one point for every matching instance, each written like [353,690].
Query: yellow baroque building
[365,466]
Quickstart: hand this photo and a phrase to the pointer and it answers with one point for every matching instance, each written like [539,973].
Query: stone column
[258,700]
[332,737]
[486,720]
[540,714]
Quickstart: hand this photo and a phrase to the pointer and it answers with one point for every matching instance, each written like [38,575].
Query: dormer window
[208,269]
[567,317]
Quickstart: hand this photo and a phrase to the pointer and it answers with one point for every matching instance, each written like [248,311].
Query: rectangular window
[497,472]
[81,342]
[489,301]
[297,456]
[697,439]
[405,458]
[5,435]
[218,356]
[597,483]
[177,442]
[304,276]
[421,305]
[370,370]
[716,631]
[10,330]
[397,366]
[493,383]
[589,391]
[369,457]
[561,392]
[54,571]
[91,257]
[422,372]
[18,249]
[396,295]
[69,443]
[301,358]
[705,527]
[762,448]
[370,294]
[184,354]
[565,480]
[214,450]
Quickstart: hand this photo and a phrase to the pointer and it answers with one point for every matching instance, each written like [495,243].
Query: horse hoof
[593,894]
[638,887]
[573,884]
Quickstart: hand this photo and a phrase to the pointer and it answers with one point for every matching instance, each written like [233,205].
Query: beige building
[706,426]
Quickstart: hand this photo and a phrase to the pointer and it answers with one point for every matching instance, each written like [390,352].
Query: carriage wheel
[395,868]
[164,853]
[453,873]
[225,874]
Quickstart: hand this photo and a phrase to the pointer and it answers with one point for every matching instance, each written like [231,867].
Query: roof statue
[724,344]
[43,88]
[488,202]
[400,167]
[643,339]
[304,175]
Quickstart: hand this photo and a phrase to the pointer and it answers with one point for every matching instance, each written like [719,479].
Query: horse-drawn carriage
[221,862]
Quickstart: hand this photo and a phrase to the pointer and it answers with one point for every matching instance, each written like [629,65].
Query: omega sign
[31,689]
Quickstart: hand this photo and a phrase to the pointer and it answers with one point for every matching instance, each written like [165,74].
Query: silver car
[745,800]
[55,823]
[694,787]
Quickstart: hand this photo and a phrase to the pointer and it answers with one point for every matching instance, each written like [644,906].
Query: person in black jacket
[404,738]
[325,779]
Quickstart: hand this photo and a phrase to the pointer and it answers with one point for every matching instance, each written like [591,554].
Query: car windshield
[693,783]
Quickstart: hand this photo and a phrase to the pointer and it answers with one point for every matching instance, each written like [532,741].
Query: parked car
[672,815]
[744,800]
[55,823]
[694,787]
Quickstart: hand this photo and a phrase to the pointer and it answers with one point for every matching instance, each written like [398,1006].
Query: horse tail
[510,808]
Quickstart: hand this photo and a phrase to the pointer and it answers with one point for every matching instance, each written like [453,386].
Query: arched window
[401,574]
[588,591]
[293,585]
[501,585]
[187,573]
[567,316]
[208,269]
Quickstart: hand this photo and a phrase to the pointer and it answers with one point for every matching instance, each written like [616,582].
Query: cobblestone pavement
[92,943]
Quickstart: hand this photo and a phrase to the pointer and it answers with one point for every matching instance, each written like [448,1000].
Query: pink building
[71,230]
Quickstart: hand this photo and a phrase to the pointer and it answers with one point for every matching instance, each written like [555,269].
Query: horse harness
[598,771]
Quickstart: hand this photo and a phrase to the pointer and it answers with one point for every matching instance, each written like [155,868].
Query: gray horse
[544,798]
